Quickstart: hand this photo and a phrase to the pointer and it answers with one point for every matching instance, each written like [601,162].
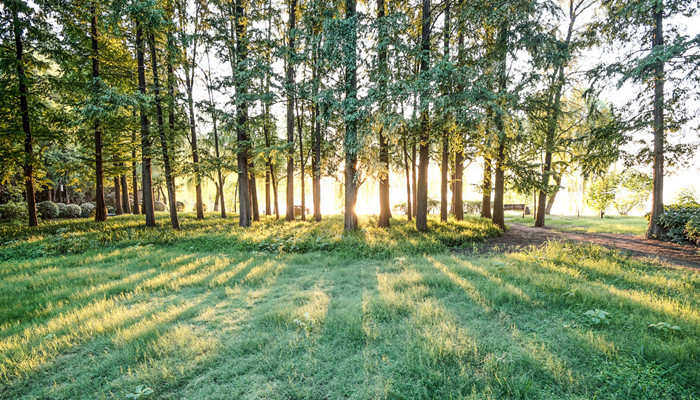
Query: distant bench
[517,207]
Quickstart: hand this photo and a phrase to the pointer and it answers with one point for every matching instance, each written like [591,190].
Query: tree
[424,137]
[289,83]
[636,188]
[350,115]
[601,192]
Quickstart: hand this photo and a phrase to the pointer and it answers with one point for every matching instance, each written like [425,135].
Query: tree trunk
[300,123]
[422,193]
[486,189]
[414,175]
[290,110]
[409,211]
[316,137]
[146,183]
[553,196]
[100,207]
[189,83]
[253,193]
[498,214]
[118,210]
[459,185]
[125,193]
[169,179]
[654,230]
[245,212]
[134,174]
[216,197]
[350,144]
[384,206]
[445,135]
[268,162]
[28,166]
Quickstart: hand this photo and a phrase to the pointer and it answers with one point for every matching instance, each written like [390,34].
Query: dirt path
[519,236]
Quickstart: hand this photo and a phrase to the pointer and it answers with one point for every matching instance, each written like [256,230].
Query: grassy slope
[614,224]
[191,318]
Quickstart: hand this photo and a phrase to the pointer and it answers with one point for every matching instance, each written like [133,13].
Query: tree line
[98,90]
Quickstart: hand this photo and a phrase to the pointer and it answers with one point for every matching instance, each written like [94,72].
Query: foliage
[625,225]
[62,210]
[72,211]
[636,188]
[87,210]
[692,229]
[47,210]
[13,211]
[159,206]
[601,192]
[472,207]
[675,219]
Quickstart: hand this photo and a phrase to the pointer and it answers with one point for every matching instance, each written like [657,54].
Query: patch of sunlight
[224,277]
[154,322]
[508,287]
[266,272]
[597,342]
[209,266]
[28,350]
[161,281]
[469,289]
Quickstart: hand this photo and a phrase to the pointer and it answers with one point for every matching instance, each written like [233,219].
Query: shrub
[675,219]
[62,210]
[110,210]
[180,206]
[13,211]
[87,210]
[73,211]
[692,229]
[158,206]
[472,207]
[47,210]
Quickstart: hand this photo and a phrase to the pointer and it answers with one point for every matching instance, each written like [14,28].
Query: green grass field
[613,224]
[299,311]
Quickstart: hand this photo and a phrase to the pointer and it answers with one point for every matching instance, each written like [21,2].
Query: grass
[626,225]
[186,316]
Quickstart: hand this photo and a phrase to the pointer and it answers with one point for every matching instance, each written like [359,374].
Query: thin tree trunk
[300,123]
[459,185]
[498,214]
[118,210]
[384,202]
[100,206]
[253,193]
[350,144]
[486,189]
[424,150]
[657,201]
[290,110]
[414,157]
[245,214]
[125,194]
[134,175]
[169,179]
[445,134]
[216,197]
[146,183]
[28,166]
[409,211]
[550,202]
[316,142]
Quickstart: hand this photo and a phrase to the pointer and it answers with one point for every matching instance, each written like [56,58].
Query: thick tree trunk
[118,210]
[245,211]
[384,203]
[169,179]
[28,166]
[422,200]
[498,215]
[350,117]
[654,230]
[146,183]
[290,110]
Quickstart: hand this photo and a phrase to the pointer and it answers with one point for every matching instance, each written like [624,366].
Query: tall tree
[350,144]
[100,206]
[290,88]
[146,179]
[424,147]
[382,39]
[245,214]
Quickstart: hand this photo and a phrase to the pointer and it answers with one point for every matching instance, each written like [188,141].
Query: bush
[158,206]
[110,210]
[180,206]
[472,207]
[47,210]
[13,211]
[73,211]
[675,218]
[87,210]
[62,210]
[692,229]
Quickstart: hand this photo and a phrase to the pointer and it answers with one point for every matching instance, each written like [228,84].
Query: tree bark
[125,194]
[384,202]
[146,183]
[216,197]
[245,214]
[100,207]
[445,135]
[316,137]
[486,189]
[253,192]
[424,148]
[134,175]
[290,110]
[300,123]
[118,210]
[169,179]
[552,197]
[409,211]
[654,230]
[350,144]
[459,185]
[499,189]
[28,166]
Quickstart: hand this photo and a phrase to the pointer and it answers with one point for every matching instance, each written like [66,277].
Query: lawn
[299,311]
[614,224]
